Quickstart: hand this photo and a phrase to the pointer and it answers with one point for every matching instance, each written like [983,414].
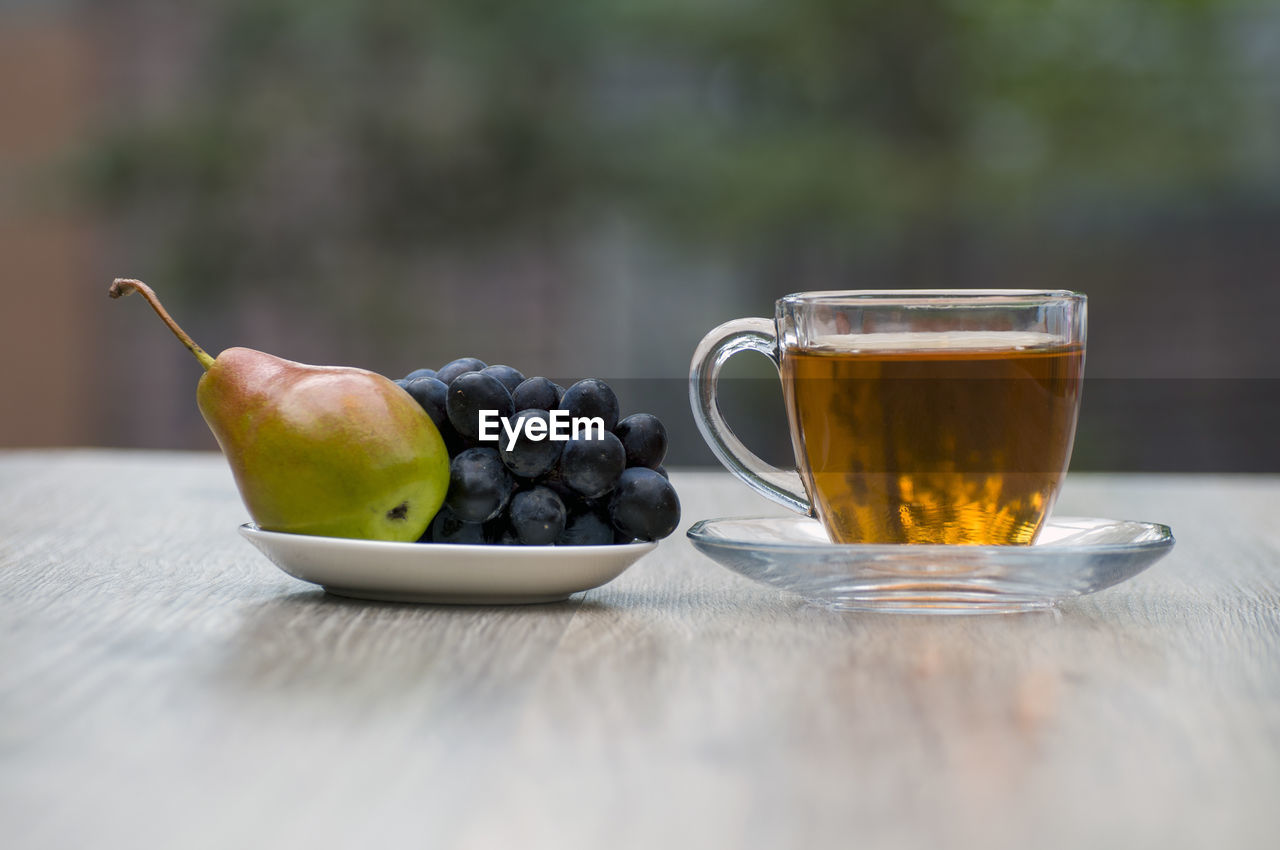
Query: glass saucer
[1072,557]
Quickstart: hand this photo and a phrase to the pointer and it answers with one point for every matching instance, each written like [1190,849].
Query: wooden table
[162,685]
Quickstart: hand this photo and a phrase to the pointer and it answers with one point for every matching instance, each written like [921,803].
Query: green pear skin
[324,450]
[331,451]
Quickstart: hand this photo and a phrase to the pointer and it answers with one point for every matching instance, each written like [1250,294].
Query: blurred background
[585,188]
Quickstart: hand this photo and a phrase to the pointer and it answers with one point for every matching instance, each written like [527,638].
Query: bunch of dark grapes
[593,489]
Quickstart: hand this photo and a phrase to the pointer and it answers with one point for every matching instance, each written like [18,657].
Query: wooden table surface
[163,685]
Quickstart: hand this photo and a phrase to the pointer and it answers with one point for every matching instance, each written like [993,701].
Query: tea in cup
[916,416]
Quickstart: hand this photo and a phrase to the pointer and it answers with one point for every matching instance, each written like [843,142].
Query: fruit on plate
[324,450]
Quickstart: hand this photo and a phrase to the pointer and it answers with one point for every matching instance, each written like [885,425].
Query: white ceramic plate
[1073,556]
[448,573]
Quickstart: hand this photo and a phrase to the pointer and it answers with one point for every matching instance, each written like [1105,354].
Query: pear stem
[124,286]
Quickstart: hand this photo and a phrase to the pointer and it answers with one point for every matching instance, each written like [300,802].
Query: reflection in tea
[960,437]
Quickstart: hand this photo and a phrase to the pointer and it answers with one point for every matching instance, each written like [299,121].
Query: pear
[324,450]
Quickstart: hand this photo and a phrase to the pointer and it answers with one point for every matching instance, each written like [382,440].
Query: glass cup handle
[780,485]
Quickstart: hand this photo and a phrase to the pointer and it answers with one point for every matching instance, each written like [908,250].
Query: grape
[586,527]
[510,378]
[662,470]
[591,397]
[530,458]
[583,492]
[644,505]
[592,467]
[454,368]
[472,392]
[644,438]
[430,393]
[537,516]
[479,485]
[448,528]
[538,393]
